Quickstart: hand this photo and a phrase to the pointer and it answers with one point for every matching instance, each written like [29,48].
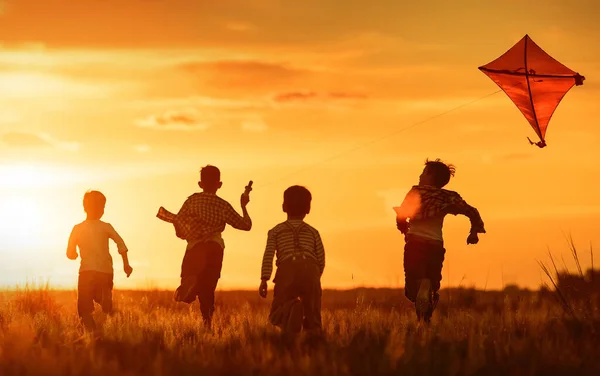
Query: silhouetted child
[200,221]
[96,272]
[300,264]
[420,219]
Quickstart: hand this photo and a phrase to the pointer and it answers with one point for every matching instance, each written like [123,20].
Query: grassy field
[368,332]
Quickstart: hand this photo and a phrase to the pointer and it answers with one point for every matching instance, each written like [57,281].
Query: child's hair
[93,204]
[441,171]
[210,175]
[296,200]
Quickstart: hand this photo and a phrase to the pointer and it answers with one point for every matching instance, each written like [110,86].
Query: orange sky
[133,97]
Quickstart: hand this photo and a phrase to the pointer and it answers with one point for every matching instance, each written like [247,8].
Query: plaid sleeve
[184,221]
[237,221]
[460,206]
[165,215]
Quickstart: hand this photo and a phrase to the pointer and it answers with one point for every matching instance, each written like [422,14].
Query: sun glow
[31,176]
[20,222]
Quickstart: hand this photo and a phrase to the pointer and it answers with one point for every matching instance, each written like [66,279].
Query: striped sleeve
[320,251]
[267,263]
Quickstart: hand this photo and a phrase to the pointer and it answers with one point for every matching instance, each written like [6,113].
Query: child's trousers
[93,287]
[297,280]
[423,259]
[200,274]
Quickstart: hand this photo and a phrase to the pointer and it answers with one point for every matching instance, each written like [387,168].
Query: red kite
[534,81]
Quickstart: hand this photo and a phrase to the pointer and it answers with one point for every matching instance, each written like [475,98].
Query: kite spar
[534,81]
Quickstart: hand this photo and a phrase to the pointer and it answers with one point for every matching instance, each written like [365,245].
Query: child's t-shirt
[426,207]
[281,241]
[91,236]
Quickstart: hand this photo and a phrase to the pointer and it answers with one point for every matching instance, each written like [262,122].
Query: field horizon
[367,331]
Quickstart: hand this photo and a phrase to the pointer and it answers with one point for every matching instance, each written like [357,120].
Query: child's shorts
[423,259]
[94,287]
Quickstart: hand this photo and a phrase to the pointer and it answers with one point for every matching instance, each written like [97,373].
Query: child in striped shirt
[300,264]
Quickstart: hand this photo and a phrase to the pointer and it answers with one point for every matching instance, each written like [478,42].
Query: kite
[534,81]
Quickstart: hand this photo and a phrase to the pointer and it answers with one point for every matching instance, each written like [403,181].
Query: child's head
[210,179]
[436,173]
[93,204]
[296,201]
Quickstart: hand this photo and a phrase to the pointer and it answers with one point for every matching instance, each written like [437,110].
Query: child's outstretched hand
[262,290]
[245,198]
[473,238]
[128,270]
[402,226]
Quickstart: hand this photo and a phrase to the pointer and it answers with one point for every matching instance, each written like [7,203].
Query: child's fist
[402,226]
[473,238]
[128,270]
[262,290]
[244,200]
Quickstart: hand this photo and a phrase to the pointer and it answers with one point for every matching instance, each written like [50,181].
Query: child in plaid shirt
[200,221]
[300,264]
[420,218]
[96,271]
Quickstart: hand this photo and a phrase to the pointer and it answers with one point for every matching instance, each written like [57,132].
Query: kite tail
[540,144]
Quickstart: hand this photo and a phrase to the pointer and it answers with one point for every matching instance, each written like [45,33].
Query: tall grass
[482,333]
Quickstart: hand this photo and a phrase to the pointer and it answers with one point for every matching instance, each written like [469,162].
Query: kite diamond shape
[534,81]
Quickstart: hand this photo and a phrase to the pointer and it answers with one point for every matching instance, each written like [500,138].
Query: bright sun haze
[109,100]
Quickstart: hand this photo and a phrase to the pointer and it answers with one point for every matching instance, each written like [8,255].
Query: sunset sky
[132,97]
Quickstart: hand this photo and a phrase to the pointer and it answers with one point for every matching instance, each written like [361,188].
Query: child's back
[300,264]
[96,272]
[421,218]
[292,240]
[92,237]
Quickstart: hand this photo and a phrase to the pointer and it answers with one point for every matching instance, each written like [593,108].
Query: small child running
[96,272]
[300,264]
[420,218]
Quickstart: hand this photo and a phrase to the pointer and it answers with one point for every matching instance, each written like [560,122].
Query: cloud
[306,96]
[188,120]
[36,140]
[294,96]
[255,74]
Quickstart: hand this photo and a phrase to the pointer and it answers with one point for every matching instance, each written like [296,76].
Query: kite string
[373,141]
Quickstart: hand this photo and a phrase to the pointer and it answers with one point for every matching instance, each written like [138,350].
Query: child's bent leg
[104,287]
[286,309]
[424,303]
[208,280]
[414,269]
[434,273]
[85,300]
[311,299]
